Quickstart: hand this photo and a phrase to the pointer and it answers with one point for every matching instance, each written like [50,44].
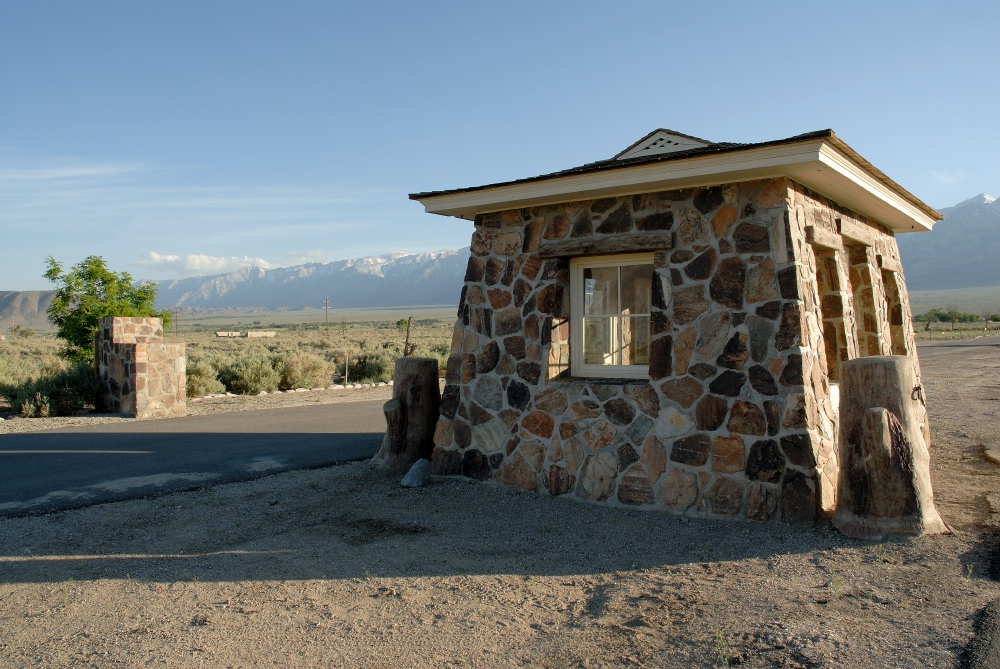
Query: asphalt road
[74,467]
[929,348]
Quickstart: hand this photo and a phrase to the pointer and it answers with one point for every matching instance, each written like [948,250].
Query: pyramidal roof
[666,159]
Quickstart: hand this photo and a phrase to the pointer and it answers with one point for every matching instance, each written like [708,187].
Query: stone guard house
[664,329]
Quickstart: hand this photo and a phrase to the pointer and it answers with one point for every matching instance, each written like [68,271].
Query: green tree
[89,291]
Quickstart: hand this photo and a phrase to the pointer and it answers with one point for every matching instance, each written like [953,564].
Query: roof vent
[661,141]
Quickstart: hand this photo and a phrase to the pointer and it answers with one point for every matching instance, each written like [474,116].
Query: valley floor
[341,567]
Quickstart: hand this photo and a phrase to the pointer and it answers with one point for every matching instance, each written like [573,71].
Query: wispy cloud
[195,264]
[948,178]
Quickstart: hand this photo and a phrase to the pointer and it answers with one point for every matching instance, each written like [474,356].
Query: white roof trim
[660,142]
[814,163]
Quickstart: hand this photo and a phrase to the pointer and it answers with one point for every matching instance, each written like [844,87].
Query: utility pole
[327,304]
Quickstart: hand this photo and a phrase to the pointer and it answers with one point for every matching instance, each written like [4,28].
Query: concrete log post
[411,415]
[885,483]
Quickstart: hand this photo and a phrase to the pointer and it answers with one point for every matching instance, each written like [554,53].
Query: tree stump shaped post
[884,484]
[411,415]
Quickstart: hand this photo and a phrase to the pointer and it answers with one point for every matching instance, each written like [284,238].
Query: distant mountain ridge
[961,252]
[392,280]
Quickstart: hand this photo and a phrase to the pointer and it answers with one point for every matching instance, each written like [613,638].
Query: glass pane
[598,344]
[635,340]
[636,293]
[600,291]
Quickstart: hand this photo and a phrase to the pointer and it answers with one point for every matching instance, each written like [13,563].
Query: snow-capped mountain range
[395,279]
[963,250]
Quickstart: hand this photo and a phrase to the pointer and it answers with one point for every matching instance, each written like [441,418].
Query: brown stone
[516,473]
[660,363]
[762,380]
[534,453]
[728,283]
[514,346]
[446,462]
[500,298]
[682,347]
[653,456]
[488,358]
[692,228]
[506,243]
[599,436]
[728,454]
[475,295]
[619,411]
[476,465]
[449,401]
[474,270]
[585,408]
[549,300]
[558,481]
[772,409]
[557,227]
[788,282]
[533,235]
[692,450]
[518,395]
[760,282]
[507,321]
[711,412]
[790,331]
[522,289]
[645,398]
[769,310]
[791,375]
[750,238]
[680,490]
[468,368]
[462,432]
[532,264]
[529,371]
[701,267]
[538,423]
[734,354]
[634,488]
[689,304]
[617,222]
[729,383]
[765,461]
[747,418]
[626,456]
[482,239]
[552,401]
[762,502]
[493,272]
[723,219]
[684,391]
[725,496]
[798,497]
[660,221]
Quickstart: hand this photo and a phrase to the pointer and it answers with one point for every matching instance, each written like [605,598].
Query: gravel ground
[341,567]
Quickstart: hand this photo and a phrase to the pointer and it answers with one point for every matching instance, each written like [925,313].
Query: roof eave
[824,164]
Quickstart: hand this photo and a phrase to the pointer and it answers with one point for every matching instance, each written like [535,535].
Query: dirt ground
[340,567]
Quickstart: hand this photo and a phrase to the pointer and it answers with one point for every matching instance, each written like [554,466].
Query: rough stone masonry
[760,288]
[140,375]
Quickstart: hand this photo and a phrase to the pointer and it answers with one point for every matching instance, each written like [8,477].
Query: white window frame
[576,290]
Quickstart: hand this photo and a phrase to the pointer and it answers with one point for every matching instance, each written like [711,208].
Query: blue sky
[184,138]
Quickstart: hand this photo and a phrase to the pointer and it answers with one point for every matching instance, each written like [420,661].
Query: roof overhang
[824,164]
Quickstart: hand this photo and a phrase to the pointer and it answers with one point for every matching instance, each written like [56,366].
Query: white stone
[337,386]
[672,423]
[419,474]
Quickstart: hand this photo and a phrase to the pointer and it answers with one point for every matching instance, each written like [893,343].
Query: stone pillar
[411,415]
[885,483]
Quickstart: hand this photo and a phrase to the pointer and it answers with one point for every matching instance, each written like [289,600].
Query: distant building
[664,329]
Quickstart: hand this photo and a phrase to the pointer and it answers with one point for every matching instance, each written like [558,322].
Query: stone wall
[735,418]
[140,375]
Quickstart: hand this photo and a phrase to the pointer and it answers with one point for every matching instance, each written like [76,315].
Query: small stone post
[411,415]
[885,482]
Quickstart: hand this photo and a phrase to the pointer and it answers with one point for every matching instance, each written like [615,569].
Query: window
[609,315]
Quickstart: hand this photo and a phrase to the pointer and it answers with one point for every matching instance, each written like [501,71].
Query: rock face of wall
[735,418]
[140,375]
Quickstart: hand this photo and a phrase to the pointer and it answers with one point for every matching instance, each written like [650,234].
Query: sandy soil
[340,567]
